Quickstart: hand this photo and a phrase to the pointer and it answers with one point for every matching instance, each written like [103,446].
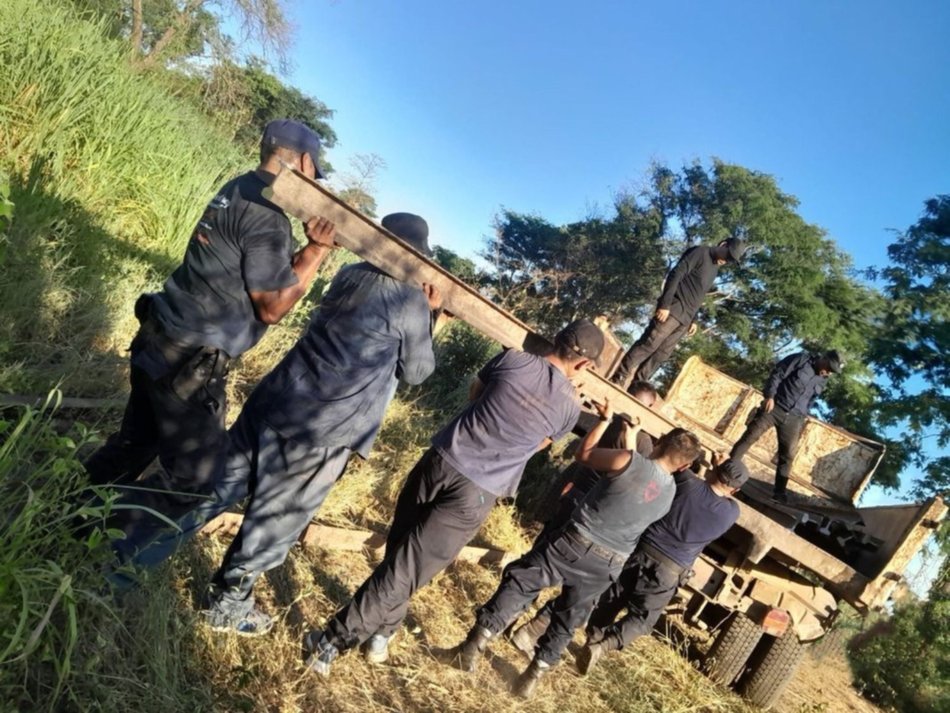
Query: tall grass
[109,174]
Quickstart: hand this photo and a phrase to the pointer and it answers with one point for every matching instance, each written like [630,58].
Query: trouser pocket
[201,378]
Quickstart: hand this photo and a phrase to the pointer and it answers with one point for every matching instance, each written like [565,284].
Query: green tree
[549,275]
[912,341]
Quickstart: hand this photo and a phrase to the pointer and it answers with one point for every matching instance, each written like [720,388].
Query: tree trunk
[136,38]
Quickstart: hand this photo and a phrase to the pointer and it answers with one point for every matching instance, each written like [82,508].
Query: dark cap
[732,473]
[736,248]
[583,337]
[832,359]
[411,228]
[295,136]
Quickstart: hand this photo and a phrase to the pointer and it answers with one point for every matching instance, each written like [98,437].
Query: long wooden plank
[305,199]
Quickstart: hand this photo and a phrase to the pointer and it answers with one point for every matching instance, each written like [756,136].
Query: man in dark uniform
[239,275]
[789,393]
[702,511]
[589,553]
[520,403]
[683,294]
[325,400]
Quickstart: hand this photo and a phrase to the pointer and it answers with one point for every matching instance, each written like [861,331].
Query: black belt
[599,550]
[661,558]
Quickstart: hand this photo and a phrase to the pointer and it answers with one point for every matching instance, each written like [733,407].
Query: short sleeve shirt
[697,517]
[243,243]
[525,399]
[619,508]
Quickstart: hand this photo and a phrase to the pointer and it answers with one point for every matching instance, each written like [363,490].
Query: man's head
[578,345]
[677,449]
[730,475]
[411,228]
[644,392]
[294,144]
[730,250]
[828,363]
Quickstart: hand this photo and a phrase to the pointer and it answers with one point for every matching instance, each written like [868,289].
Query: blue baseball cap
[295,136]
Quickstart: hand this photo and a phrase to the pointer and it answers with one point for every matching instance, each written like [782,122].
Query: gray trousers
[286,483]
[650,351]
[439,510]
[644,588]
[788,428]
[581,569]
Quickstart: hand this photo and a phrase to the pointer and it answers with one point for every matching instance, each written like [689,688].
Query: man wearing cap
[520,403]
[683,293]
[789,393]
[587,555]
[240,274]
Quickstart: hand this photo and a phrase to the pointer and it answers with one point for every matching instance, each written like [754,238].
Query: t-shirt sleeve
[485,373]
[268,252]
[416,360]
[572,413]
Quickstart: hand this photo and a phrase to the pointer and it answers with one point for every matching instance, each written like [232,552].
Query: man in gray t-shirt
[519,404]
[589,553]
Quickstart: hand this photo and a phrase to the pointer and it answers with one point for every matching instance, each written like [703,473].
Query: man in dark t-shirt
[589,553]
[239,274]
[683,293]
[520,403]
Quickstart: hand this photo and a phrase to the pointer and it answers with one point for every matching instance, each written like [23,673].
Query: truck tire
[732,648]
[772,671]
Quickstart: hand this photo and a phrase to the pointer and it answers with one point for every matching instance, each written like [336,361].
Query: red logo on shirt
[651,492]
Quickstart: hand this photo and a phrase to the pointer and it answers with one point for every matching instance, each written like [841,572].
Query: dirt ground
[824,687]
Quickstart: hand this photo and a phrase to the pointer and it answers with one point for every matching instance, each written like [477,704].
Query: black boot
[473,648]
[526,637]
[528,681]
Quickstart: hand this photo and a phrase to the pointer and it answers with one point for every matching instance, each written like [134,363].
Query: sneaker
[254,622]
[321,652]
[377,649]
[588,657]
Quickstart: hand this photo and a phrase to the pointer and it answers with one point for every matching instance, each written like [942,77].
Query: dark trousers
[438,511]
[583,571]
[788,428]
[178,417]
[650,351]
[647,584]
[286,483]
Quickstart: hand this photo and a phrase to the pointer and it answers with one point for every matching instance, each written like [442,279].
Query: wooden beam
[340,539]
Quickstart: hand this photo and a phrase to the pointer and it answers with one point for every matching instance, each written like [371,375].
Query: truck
[776,582]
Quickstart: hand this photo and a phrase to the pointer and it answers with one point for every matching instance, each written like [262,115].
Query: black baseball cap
[411,228]
[736,248]
[732,473]
[293,135]
[583,337]
[832,359]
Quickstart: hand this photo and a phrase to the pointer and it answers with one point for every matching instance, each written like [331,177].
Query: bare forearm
[306,262]
[590,441]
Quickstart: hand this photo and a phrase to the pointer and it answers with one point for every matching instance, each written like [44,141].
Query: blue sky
[551,107]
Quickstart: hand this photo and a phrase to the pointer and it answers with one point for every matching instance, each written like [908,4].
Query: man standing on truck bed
[239,274]
[683,293]
[702,511]
[519,404]
[789,392]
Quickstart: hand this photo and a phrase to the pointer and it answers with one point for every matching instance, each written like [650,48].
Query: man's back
[333,386]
